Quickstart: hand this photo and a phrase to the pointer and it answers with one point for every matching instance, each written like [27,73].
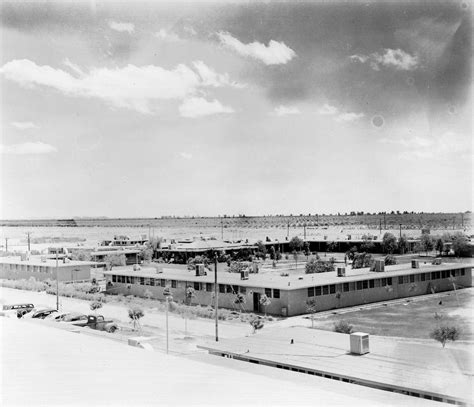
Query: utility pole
[380,225]
[400,230]
[288,229]
[57,281]
[29,248]
[6,244]
[304,228]
[216,297]
[167,294]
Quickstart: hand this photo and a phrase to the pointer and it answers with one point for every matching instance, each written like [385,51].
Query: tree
[351,252]
[135,313]
[261,250]
[403,244]
[95,305]
[146,254]
[367,244]
[236,267]
[390,260]
[426,243]
[265,302]
[389,243]
[439,245]
[343,327]
[115,259]
[256,323]
[311,309]
[190,294]
[361,260]
[81,255]
[461,246]
[318,266]
[272,253]
[445,333]
[296,244]
[306,250]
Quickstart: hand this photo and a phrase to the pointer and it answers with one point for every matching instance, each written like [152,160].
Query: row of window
[25,267]
[352,286]
[198,286]
[433,275]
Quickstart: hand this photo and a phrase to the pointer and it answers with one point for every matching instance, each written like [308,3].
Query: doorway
[256,302]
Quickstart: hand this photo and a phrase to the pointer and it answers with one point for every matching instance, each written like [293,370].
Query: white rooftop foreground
[46,366]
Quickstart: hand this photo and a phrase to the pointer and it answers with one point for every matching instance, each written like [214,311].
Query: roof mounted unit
[200,271]
[415,264]
[341,271]
[379,265]
[244,275]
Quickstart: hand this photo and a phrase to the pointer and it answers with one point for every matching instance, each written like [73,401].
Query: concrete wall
[41,273]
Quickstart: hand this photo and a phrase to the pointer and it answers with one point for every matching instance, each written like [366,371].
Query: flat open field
[413,319]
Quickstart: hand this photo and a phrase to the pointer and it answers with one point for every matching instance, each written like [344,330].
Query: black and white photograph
[236,203]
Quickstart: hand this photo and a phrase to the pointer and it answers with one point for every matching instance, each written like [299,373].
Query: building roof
[112,252]
[47,262]
[273,279]
[203,245]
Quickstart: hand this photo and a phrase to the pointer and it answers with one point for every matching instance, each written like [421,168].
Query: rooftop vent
[200,271]
[341,271]
[437,261]
[379,265]
[244,275]
[415,264]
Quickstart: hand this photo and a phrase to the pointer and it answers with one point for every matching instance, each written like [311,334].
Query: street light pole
[216,297]
[167,334]
[57,281]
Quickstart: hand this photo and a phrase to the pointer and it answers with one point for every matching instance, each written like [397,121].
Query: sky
[206,109]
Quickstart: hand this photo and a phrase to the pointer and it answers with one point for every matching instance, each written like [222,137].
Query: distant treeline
[393,219]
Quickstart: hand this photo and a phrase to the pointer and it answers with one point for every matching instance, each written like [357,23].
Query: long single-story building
[42,268]
[289,294]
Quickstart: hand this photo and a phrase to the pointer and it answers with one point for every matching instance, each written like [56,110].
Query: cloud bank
[28,148]
[394,58]
[138,88]
[339,116]
[286,110]
[25,125]
[275,53]
[197,107]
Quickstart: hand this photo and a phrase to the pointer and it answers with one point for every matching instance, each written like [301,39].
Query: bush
[343,327]
[95,305]
[445,333]
[390,260]
[361,260]
[318,266]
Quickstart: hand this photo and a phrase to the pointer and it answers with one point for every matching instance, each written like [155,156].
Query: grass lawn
[410,319]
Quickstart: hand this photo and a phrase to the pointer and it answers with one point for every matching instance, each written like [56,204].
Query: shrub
[318,266]
[390,260]
[361,260]
[95,305]
[343,327]
[256,324]
[445,333]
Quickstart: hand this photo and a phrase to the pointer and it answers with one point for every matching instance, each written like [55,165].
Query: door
[256,302]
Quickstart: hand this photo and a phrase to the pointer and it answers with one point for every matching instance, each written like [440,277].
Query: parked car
[41,313]
[98,323]
[19,309]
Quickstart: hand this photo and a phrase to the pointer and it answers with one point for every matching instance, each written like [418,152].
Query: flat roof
[416,367]
[108,372]
[37,261]
[112,252]
[272,279]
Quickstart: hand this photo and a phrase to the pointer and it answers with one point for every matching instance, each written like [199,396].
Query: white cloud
[166,35]
[25,125]
[275,53]
[348,117]
[28,148]
[132,87]
[395,58]
[186,156]
[197,107]
[414,142]
[286,110]
[212,78]
[75,68]
[122,27]
[328,110]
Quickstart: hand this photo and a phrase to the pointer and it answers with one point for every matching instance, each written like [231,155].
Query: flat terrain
[412,318]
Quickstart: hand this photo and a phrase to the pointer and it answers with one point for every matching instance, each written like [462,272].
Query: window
[463,272]
[406,279]
[345,287]
[371,283]
[332,289]
[132,280]
[310,291]
[428,276]
[208,286]
[128,280]
[359,285]
[229,289]
[389,281]
[325,290]
[163,282]
[222,288]
[365,284]
[317,291]
[173,284]
[422,277]
[197,286]
[412,278]
[114,278]
[400,279]
[152,281]
[276,293]
[268,292]
[142,280]
[147,281]
[243,290]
